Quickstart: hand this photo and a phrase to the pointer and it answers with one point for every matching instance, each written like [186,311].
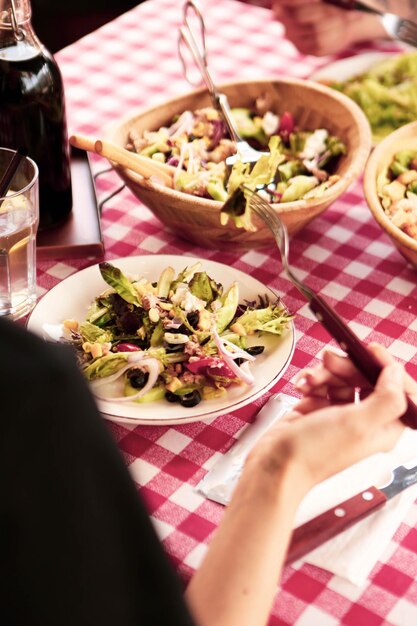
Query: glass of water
[19,218]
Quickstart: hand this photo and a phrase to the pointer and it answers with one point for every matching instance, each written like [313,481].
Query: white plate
[71,298]
[344,69]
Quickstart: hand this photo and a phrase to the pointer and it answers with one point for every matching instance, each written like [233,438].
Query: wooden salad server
[146,167]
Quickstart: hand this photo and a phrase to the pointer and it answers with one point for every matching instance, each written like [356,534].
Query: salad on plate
[185,337]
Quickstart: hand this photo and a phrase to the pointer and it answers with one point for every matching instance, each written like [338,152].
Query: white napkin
[353,553]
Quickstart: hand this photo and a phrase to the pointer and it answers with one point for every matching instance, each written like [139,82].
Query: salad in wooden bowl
[390,186]
[316,142]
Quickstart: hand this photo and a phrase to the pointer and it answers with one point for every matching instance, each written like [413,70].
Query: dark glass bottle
[32,109]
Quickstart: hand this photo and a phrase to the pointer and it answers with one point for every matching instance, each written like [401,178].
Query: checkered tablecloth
[133,62]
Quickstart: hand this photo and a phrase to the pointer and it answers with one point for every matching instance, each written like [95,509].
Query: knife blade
[327,525]
[353,5]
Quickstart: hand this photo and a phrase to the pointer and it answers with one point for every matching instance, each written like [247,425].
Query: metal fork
[396,26]
[363,359]
[245,152]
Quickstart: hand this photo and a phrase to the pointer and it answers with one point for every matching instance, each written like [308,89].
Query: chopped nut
[407,177]
[87,346]
[141,332]
[395,190]
[159,156]
[96,350]
[154,315]
[174,384]
[71,324]
[238,328]
[149,301]
[175,338]
[106,347]
[204,320]
[211,114]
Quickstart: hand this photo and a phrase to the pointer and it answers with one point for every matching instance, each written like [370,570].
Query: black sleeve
[76,544]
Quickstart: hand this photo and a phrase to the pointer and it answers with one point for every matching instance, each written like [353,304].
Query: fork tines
[402,29]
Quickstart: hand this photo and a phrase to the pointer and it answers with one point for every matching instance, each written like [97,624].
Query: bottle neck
[14,13]
[15,23]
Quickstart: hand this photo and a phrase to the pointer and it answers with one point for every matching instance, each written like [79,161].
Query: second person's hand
[328,430]
[320,29]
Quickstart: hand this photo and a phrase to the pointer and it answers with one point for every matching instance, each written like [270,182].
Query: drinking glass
[19,218]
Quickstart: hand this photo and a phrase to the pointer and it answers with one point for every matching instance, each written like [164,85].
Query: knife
[320,529]
[353,5]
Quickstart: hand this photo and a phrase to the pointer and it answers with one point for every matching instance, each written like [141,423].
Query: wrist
[274,465]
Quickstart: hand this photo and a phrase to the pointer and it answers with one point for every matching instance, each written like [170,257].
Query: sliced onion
[184,124]
[178,169]
[240,372]
[237,352]
[149,365]
[134,357]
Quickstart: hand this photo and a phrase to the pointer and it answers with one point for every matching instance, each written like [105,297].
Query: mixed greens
[397,188]
[184,338]
[387,93]
[298,163]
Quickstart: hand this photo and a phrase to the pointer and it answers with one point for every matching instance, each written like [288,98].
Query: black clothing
[77,546]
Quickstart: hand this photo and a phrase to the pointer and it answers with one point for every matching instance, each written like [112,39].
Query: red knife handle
[363,359]
[320,529]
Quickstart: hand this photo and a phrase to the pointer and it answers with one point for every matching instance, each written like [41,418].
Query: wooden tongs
[149,169]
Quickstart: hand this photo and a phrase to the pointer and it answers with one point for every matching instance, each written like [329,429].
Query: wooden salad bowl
[198,219]
[403,138]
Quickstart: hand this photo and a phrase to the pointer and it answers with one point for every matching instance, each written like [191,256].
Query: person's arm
[320,29]
[237,581]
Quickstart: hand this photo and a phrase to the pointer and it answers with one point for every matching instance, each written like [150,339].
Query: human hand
[336,380]
[327,431]
[320,29]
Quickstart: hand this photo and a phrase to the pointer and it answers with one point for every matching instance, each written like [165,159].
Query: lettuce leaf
[272,319]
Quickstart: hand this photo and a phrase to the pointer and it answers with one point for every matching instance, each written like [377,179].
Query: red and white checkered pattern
[133,62]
